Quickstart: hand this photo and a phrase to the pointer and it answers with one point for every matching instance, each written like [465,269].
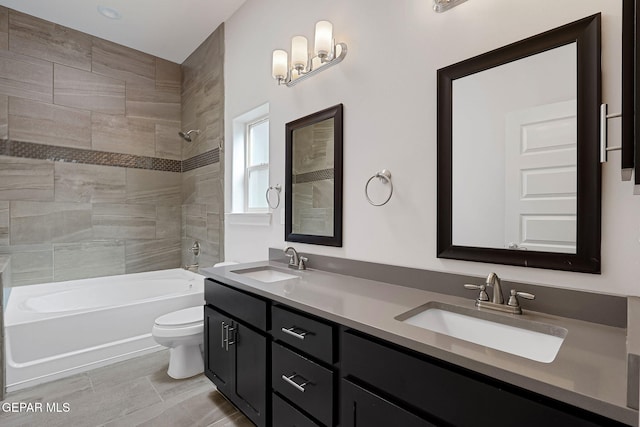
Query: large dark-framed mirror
[493,189]
[313,178]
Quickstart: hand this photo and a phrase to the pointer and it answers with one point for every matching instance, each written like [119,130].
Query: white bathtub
[58,329]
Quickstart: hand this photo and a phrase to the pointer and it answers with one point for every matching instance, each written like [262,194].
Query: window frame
[248,169]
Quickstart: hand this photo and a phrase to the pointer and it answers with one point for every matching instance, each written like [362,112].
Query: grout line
[154,388]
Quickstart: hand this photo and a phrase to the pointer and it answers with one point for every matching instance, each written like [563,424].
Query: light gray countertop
[590,370]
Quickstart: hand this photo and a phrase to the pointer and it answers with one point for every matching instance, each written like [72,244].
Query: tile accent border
[313,176]
[610,310]
[200,160]
[30,150]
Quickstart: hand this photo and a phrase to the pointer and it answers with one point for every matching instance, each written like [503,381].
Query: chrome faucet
[497,302]
[195,250]
[295,260]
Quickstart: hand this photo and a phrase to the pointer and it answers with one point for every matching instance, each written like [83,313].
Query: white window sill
[262,219]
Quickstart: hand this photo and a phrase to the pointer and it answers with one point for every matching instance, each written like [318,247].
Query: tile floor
[136,392]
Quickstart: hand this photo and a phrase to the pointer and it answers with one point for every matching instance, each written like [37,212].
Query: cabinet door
[251,371]
[361,408]
[218,355]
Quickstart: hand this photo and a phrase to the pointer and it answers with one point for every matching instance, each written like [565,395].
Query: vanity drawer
[285,415]
[303,382]
[241,305]
[304,333]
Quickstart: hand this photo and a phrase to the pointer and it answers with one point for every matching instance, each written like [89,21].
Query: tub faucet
[295,260]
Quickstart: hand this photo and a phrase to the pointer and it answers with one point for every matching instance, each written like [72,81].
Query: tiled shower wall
[202,187]
[90,159]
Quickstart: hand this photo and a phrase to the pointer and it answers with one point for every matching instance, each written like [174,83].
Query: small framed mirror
[313,180]
[518,152]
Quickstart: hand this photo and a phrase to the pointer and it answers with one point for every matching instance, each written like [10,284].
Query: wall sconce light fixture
[444,5]
[303,63]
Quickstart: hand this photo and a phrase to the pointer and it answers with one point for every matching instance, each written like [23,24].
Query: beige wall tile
[168,74]
[122,134]
[26,77]
[77,182]
[4,28]
[84,260]
[45,40]
[168,222]
[4,116]
[31,265]
[47,222]
[4,223]
[143,255]
[168,143]
[123,63]
[25,179]
[147,186]
[90,91]
[124,221]
[32,121]
[153,103]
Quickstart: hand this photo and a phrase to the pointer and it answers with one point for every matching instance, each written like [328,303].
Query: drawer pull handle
[299,335]
[289,380]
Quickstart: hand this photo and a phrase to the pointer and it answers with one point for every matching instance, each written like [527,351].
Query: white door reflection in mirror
[516,185]
[541,178]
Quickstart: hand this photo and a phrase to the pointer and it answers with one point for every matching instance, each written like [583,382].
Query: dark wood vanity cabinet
[396,382]
[283,367]
[236,351]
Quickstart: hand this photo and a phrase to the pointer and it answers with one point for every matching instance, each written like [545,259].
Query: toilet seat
[191,316]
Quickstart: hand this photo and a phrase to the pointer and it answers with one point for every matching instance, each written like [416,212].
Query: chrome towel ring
[277,188]
[385,177]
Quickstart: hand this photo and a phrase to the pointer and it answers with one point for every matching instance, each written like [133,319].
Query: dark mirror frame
[586,34]
[334,112]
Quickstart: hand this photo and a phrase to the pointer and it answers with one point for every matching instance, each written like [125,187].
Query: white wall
[387,84]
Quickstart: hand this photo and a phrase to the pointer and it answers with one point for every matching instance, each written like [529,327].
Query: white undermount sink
[532,340]
[265,274]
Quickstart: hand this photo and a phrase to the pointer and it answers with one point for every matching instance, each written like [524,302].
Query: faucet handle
[513,299]
[482,288]
[301,263]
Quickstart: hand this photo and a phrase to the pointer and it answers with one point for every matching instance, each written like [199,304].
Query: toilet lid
[185,317]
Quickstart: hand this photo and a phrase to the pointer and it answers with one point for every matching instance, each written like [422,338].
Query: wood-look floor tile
[234,420]
[45,40]
[140,367]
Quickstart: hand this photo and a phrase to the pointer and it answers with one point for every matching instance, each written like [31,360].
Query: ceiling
[169,29]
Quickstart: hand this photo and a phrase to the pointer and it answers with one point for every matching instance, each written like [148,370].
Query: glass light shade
[299,52]
[324,38]
[279,64]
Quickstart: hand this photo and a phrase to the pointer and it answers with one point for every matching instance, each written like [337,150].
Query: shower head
[187,135]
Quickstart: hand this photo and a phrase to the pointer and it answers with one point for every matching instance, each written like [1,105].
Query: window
[250,162]
[256,175]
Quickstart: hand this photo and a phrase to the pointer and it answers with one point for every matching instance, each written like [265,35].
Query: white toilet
[183,332]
